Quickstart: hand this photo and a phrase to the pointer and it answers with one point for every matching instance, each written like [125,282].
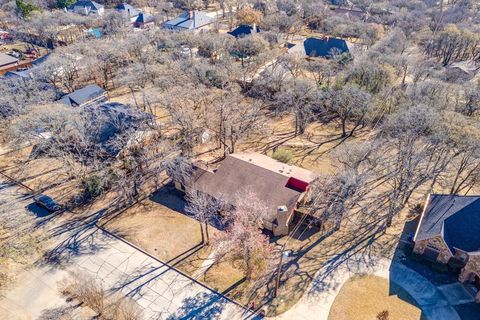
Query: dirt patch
[363,298]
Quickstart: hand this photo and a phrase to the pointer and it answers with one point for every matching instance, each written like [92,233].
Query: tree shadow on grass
[173,199]
[352,250]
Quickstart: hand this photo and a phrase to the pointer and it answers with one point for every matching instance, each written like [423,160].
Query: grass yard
[157,226]
[363,298]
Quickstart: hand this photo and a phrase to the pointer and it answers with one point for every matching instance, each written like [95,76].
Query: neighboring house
[144,21]
[87,96]
[7,61]
[351,14]
[325,47]
[278,185]
[189,20]
[462,71]
[87,7]
[449,231]
[128,11]
[26,73]
[108,123]
[244,30]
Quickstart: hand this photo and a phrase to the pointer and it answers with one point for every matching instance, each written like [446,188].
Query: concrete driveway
[161,291]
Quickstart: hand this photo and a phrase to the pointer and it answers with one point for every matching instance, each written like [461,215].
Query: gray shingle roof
[144,18]
[453,217]
[6,60]
[87,3]
[131,11]
[83,95]
[189,20]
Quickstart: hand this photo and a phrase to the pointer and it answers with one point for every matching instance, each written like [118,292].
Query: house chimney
[190,14]
[282,221]
[254,28]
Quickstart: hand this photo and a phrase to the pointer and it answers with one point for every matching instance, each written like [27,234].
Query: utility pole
[279,270]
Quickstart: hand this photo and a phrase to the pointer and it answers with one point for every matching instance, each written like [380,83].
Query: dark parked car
[46,202]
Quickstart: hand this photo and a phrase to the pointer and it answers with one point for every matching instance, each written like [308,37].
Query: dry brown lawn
[158,229]
[363,298]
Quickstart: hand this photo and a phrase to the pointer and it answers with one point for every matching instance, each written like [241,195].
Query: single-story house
[27,72]
[244,30]
[7,61]
[87,7]
[281,187]
[349,13]
[189,20]
[86,96]
[325,47]
[129,11]
[19,74]
[144,21]
[110,122]
[449,231]
[462,71]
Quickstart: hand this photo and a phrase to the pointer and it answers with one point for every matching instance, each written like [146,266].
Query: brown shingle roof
[236,174]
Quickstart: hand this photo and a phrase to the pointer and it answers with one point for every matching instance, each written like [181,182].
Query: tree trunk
[344,129]
[207,234]
[201,233]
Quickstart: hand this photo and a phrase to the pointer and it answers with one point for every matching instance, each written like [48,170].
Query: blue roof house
[325,47]
[449,233]
[244,30]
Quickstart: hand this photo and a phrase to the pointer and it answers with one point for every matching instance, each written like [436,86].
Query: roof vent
[282,209]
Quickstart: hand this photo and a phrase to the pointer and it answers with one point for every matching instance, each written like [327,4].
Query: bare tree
[243,240]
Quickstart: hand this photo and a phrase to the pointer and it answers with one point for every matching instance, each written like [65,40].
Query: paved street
[161,291]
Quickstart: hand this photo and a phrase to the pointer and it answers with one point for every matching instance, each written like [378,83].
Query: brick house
[281,187]
[449,231]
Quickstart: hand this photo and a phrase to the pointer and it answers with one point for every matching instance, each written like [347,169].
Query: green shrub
[26,8]
[283,155]
[93,185]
